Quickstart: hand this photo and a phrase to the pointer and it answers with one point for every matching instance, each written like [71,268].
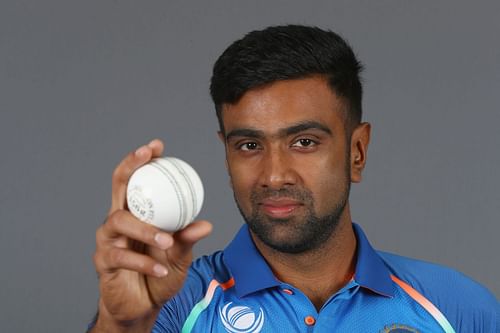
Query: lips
[280,207]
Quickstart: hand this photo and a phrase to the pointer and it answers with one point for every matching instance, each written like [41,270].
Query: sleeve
[466,304]
[469,306]
[175,312]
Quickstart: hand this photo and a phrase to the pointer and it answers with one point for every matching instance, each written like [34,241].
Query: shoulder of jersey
[460,298]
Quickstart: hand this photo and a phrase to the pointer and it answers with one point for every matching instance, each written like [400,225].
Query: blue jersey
[235,291]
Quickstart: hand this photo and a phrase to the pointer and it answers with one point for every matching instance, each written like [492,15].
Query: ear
[360,139]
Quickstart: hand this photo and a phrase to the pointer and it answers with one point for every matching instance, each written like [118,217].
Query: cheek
[326,181]
[241,182]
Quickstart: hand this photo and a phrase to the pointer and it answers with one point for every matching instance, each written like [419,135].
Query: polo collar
[252,273]
[250,270]
[371,272]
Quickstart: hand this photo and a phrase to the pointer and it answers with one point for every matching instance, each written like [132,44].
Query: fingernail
[160,270]
[142,151]
[163,240]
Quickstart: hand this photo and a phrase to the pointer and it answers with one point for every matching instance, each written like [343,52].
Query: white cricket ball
[166,192]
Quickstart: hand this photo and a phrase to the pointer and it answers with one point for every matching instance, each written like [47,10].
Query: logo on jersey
[241,319]
[398,328]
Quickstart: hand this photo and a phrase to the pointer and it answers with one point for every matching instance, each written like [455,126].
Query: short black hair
[284,53]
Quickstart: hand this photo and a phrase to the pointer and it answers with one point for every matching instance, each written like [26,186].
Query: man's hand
[140,267]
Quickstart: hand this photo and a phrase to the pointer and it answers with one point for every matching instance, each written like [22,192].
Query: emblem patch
[241,319]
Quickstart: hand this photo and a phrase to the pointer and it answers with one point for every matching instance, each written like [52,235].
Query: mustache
[298,194]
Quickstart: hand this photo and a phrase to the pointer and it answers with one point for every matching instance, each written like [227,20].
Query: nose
[277,170]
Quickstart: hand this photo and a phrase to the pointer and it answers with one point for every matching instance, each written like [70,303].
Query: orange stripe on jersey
[228,284]
[426,304]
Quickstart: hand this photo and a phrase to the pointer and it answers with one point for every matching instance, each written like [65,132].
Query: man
[288,101]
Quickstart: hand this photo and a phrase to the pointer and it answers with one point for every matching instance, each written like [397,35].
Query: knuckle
[117,214]
[116,257]
[117,173]
[147,234]
[115,220]
[122,170]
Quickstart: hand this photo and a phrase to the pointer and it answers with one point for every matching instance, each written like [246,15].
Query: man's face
[288,159]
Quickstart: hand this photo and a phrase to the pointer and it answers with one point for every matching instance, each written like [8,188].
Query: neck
[318,273]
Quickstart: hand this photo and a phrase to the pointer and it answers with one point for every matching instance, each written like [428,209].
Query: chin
[283,235]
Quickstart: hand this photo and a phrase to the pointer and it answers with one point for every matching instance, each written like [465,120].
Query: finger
[126,168]
[122,174]
[122,223]
[117,258]
[185,239]
[157,146]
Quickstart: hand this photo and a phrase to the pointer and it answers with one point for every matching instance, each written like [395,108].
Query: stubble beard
[298,234]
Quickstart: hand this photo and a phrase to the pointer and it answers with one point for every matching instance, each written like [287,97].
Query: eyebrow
[304,126]
[297,128]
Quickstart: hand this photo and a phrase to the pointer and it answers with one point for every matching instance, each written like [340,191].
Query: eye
[248,146]
[302,143]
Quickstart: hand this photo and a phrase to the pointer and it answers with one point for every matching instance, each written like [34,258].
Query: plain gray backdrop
[84,82]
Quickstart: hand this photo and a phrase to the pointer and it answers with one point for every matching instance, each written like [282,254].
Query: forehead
[284,103]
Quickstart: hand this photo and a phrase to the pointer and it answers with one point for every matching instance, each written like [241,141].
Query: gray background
[82,83]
